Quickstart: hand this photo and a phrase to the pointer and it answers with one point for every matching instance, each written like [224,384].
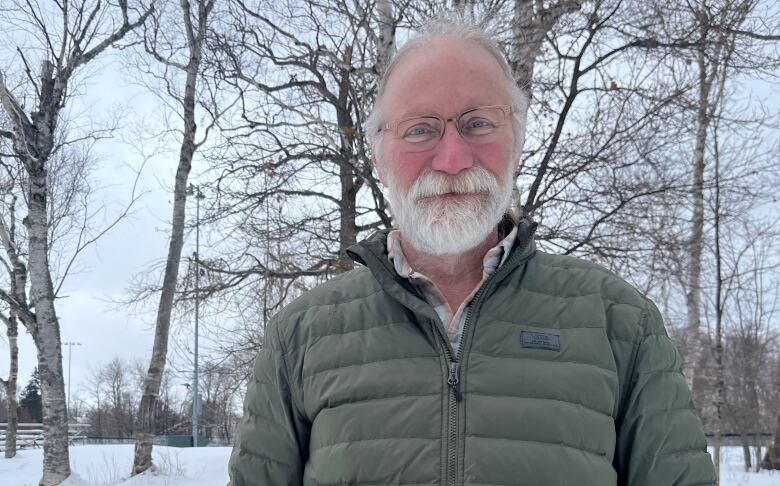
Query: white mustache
[431,184]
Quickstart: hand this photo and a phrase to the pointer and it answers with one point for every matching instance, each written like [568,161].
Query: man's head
[446,135]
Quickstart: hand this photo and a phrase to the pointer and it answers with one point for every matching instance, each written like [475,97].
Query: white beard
[455,224]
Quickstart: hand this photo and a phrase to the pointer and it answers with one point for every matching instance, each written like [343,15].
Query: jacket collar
[372,253]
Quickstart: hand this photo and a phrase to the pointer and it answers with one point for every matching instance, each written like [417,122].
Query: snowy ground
[103,465]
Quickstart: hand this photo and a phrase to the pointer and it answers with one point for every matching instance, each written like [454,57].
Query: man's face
[447,199]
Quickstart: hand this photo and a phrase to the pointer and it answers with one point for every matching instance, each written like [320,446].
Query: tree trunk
[693,340]
[147,408]
[146,413]
[745,449]
[56,462]
[386,42]
[18,282]
[531,23]
[772,457]
[10,386]
[757,448]
[348,176]
[720,397]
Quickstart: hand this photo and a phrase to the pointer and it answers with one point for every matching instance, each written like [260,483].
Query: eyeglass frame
[393,126]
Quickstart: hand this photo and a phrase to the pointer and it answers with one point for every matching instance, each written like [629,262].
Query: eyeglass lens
[423,133]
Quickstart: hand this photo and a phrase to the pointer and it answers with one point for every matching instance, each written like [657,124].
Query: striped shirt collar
[452,319]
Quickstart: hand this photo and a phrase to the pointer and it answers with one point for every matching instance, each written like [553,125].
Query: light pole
[70,345]
[195,190]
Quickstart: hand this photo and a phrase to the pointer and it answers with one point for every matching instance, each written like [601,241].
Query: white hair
[451,26]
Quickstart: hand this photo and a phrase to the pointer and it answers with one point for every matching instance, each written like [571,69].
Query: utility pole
[195,190]
[70,345]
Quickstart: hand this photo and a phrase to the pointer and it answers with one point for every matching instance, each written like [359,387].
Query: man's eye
[478,126]
[419,133]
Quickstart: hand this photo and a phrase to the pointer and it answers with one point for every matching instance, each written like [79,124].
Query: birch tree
[17,273]
[711,55]
[68,37]
[176,39]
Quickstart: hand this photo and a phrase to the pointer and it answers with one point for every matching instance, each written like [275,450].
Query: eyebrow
[416,113]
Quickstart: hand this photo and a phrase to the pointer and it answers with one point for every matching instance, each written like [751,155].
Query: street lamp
[70,345]
[194,189]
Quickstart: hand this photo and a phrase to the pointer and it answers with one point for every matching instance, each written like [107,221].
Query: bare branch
[81,245]
[750,34]
[78,58]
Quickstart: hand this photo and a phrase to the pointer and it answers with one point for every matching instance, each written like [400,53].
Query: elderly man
[459,353]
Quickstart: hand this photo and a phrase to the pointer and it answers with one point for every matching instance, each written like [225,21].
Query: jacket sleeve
[660,438]
[272,438]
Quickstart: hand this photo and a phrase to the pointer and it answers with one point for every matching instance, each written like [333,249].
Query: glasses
[478,125]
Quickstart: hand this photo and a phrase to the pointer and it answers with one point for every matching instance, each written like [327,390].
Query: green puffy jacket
[565,376]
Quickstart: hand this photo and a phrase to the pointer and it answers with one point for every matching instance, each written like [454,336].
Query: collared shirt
[453,321]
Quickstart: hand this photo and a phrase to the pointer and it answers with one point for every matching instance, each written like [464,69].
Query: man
[458,353]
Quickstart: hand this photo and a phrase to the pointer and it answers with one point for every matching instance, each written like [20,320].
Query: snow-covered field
[102,465]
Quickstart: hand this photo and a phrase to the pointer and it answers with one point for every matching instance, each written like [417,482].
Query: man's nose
[453,153]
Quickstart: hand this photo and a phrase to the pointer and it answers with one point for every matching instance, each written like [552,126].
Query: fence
[30,435]
[734,440]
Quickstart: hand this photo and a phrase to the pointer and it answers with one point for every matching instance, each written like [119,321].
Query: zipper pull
[453,381]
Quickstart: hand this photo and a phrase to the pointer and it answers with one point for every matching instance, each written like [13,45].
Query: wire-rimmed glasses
[479,125]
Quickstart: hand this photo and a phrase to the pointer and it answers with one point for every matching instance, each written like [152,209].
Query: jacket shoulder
[352,285]
[312,312]
[574,276]
[628,314]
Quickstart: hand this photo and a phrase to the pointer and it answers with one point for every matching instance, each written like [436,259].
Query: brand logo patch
[540,340]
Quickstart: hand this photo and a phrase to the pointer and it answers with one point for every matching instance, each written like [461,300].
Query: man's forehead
[445,73]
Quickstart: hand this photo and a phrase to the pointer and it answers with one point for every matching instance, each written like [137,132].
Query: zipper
[453,378]
[455,396]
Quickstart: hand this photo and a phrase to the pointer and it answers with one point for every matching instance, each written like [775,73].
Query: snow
[732,471]
[103,465]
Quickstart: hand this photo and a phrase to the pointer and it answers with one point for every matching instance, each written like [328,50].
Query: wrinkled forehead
[446,76]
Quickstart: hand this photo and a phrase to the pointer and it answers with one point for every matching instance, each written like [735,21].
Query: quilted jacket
[565,376]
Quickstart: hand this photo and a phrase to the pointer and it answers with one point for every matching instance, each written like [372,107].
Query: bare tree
[180,54]
[292,179]
[78,33]
[112,398]
[605,179]
[221,387]
[96,393]
[752,296]
[17,273]
[712,54]
[301,132]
